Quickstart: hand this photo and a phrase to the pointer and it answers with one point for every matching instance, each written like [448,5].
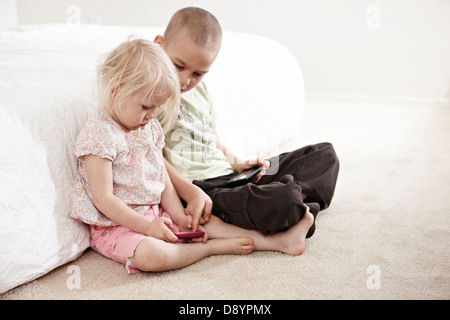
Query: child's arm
[199,204]
[240,165]
[100,180]
[171,203]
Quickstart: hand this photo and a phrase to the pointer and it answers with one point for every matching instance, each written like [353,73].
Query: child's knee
[291,206]
[281,206]
[150,255]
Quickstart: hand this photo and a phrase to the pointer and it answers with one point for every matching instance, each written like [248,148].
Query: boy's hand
[202,239]
[185,226]
[160,229]
[264,166]
[250,164]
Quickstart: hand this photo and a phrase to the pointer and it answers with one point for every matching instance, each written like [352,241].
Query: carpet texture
[385,236]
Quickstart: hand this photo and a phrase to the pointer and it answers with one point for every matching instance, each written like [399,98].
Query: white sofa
[47,89]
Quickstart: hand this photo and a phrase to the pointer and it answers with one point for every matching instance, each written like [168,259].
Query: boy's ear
[159,40]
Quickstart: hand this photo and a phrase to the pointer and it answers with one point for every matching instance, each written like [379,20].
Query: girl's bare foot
[231,245]
[293,240]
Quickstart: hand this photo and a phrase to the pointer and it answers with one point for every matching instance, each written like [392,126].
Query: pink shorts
[119,243]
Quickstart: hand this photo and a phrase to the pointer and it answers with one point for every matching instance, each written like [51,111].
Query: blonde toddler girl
[123,190]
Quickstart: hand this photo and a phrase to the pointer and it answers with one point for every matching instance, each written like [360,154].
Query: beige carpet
[385,236]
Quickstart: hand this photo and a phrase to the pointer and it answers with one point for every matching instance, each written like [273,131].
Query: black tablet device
[244,176]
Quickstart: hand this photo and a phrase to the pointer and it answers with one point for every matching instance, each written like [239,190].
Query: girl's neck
[116,120]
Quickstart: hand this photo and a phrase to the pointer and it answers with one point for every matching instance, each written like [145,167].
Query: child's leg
[267,208]
[302,177]
[156,255]
[314,168]
[291,241]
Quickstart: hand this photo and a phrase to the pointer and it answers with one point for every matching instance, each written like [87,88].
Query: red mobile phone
[189,235]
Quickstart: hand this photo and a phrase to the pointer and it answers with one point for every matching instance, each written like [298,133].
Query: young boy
[271,202]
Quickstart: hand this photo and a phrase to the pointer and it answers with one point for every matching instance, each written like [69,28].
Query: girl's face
[136,112]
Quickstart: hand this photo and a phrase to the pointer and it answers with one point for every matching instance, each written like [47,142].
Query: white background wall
[8,13]
[385,49]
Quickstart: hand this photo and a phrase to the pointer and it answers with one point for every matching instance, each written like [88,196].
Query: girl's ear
[114,91]
[159,40]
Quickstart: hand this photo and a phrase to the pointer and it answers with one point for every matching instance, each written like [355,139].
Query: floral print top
[137,165]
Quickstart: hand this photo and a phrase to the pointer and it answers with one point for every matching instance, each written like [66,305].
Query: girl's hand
[160,228]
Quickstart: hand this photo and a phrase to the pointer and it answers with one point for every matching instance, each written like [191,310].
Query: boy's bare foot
[314,208]
[231,245]
[293,240]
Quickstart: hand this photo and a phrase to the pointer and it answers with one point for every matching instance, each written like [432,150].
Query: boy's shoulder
[201,87]
[197,98]
[198,92]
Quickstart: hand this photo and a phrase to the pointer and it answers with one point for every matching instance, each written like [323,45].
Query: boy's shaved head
[198,24]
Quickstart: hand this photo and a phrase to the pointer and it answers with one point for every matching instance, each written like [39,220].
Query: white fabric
[257,89]
[47,85]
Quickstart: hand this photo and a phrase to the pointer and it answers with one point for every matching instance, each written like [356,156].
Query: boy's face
[192,62]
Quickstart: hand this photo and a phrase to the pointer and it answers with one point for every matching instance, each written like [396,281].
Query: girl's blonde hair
[139,66]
